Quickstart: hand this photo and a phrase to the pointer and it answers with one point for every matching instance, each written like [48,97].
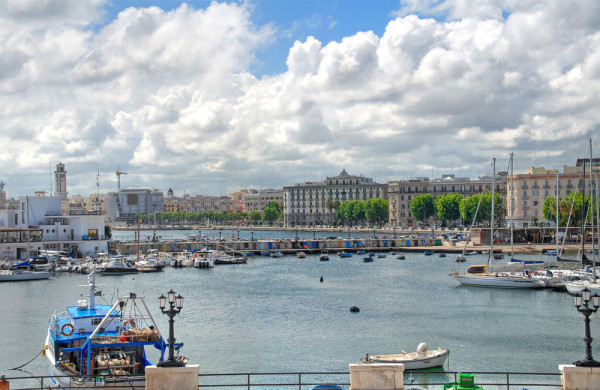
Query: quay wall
[290,246]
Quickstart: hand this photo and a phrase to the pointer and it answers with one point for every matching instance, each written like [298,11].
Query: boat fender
[129,324]
[65,332]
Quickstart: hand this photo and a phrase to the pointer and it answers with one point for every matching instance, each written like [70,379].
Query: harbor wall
[286,246]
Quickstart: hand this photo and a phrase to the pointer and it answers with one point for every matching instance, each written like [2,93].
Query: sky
[212,97]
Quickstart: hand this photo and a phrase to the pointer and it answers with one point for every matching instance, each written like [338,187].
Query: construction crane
[119,173]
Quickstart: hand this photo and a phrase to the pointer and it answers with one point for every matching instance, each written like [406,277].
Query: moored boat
[324,256]
[90,345]
[422,358]
[301,255]
[22,275]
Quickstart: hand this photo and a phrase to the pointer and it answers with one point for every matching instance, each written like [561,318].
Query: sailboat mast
[512,205]
[556,193]
[591,211]
[492,218]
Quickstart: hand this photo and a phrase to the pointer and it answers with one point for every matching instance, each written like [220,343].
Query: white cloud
[168,95]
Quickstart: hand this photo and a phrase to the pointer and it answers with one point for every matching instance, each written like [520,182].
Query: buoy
[354,309]
[321,280]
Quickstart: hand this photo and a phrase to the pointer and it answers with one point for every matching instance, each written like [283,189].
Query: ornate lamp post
[176,304]
[581,302]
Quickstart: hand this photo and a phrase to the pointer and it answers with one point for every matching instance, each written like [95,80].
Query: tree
[376,210]
[448,207]
[468,206]
[422,207]
[255,216]
[270,214]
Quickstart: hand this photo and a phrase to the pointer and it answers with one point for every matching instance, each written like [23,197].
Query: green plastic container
[466,381]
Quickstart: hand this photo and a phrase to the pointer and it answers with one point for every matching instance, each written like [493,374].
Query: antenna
[119,173]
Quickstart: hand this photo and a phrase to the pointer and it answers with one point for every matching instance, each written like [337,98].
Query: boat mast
[591,212]
[556,193]
[492,218]
[598,228]
[138,236]
[512,205]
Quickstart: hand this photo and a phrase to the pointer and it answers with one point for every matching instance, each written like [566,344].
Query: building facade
[205,204]
[530,190]
[305,204]
[256,200]
[127,203]
[401,193]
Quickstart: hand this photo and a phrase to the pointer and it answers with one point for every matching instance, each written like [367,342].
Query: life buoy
[129,324]
[7,248]
[67,332]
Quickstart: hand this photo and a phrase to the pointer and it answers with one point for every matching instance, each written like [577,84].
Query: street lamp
[581,302]
[175,306]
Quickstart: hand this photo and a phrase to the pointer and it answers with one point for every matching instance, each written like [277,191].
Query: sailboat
[483,276]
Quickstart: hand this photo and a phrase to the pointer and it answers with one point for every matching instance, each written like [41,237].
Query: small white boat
[22,275]
[422,358]
[324,256]
[276,254]
[301,255]
[401,256]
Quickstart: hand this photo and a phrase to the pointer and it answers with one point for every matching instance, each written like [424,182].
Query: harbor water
[274,315]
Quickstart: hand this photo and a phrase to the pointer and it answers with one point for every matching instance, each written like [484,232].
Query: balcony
[546,186]
[525,196]
[524,186]
[525,207]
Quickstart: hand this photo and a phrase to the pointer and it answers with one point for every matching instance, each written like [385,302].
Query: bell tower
[60,177]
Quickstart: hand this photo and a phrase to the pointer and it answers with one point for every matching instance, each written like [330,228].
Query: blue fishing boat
[368,259]
[96,345]
[345,254]
[428,253]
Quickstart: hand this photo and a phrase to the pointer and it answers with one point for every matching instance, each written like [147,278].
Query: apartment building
[402,192]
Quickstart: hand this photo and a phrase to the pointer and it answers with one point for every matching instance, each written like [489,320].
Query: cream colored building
[530,190]
[256,200]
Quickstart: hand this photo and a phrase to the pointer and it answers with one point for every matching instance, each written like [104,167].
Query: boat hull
[23,276]
[414,361]
[498,281]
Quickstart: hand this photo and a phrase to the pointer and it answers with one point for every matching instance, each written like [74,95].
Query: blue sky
[294,20]
[211,97]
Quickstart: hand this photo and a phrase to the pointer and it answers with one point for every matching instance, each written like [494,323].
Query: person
[321,280]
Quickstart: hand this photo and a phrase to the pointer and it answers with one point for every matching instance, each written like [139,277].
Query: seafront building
[29,225]
[256,200]
[305,204]
[205,204]
[530,190]
[402,192]
[127,203]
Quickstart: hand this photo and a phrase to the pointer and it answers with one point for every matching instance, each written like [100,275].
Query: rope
[38,354]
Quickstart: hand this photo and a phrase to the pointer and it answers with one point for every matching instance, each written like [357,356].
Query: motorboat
[218,257]
[102,345]
[301,255]
[324,256]
[401,256]
[149,265]
[421,359]
[20,275]
[201,260]
[118,266]
[276,254]
[345,254]
[428,253]
[368,259]
[460,258]
[381,255]
[442,255]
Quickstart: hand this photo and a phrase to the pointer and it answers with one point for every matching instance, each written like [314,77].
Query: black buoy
[354,309]
[321,280]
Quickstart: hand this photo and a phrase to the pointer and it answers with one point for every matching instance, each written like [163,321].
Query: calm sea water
[274,315]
